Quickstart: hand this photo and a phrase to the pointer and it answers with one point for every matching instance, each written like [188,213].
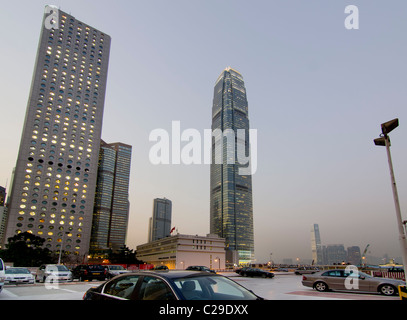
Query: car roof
[172,274]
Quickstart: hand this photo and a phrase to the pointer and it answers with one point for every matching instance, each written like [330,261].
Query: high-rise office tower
[55,177]
[316,246]
[111,211]
[3,212]
[160,222]
[231,206]
[354,256]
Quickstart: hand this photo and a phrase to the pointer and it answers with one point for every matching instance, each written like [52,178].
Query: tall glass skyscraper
[160,222]
[53,190]
[231,205]
[316,246]
[111,211]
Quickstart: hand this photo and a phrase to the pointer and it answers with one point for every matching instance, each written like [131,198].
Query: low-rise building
[180,251]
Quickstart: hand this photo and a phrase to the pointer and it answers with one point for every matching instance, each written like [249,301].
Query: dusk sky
[317,95]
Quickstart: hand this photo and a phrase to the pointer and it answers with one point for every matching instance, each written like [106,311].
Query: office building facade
[160,222]
[55,176]
[231,205]
[354,255]
[181,251]
[111,210]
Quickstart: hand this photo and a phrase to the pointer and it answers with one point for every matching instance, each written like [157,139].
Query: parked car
[336,280]
[200,268]
[160,268]
[53,272]
[18,275]
[85,272]
[170,285]
[2,274]
[306,270]
[114,270]
[254,272]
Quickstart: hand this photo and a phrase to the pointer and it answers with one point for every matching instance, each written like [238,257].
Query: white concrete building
[180,251]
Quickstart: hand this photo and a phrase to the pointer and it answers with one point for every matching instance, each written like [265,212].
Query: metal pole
[402,236]
[60,250]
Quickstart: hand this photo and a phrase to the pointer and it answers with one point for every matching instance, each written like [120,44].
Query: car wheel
[387,289]
[321,286]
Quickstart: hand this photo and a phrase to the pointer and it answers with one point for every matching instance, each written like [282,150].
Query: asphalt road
[284,286]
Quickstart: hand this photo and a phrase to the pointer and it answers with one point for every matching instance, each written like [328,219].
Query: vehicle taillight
[304,278]
[86,272]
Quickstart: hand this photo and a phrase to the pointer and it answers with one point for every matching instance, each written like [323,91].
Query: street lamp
[384,140]
[62,244]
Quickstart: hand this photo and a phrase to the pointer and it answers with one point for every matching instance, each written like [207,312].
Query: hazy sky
[317,95]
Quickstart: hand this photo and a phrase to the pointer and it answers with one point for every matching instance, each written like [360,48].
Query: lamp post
[384,140]
[62,244]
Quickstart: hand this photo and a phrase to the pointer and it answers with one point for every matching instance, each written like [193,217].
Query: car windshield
[17,271]
[95,267]
[116,268]
[57,268]
[212,288]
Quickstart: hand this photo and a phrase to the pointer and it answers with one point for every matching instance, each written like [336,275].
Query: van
[2,274]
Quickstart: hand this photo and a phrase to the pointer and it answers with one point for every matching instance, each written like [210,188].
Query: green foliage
[26,250]
[124,256]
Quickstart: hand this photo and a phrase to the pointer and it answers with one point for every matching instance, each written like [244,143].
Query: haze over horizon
[317,95]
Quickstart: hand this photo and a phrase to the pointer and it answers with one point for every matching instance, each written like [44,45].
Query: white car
[2,275]
[53,272]
[15,275]
[115,270]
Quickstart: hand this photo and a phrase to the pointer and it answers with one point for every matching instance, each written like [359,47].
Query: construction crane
[364,255]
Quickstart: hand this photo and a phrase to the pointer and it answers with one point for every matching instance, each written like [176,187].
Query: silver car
[115,270]
[53,272]
[341,279]
[15,275]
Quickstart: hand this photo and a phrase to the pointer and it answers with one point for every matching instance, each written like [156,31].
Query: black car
[254,272]
[200,268]
[170,285]
[89,272]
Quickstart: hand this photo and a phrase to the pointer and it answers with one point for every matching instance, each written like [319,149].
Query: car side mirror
[362,277]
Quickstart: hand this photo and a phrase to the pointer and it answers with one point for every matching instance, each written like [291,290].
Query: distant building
[316,245]
[160,222]
[335,254]
[181,251]
[111,210]
[354,255]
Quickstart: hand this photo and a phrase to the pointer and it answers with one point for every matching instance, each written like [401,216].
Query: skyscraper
[111,211]
[316,246]
[231,206]
[160,222]
[55,177]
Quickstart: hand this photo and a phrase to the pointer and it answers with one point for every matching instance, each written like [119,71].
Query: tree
[124,256]
[26,250]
